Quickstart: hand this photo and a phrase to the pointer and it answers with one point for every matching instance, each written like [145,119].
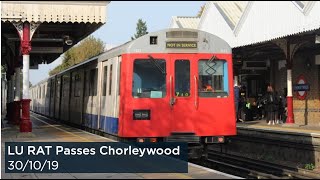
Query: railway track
[245,167]
[251,168]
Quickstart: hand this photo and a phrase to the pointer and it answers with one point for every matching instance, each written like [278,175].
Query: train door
[52,95]
[109,99]
[57,98]
[65,97]
[90,98]
[76,98]
[103,96]
[182,88]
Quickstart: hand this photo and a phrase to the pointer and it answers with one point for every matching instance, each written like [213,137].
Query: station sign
[181,45]
[301,87]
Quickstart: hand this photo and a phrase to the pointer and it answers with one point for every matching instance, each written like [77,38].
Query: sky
[122,18]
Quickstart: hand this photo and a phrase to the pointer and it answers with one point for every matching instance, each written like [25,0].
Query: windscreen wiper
[155,63]
[213,71]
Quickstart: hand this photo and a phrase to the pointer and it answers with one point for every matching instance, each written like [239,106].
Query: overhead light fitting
[68,41]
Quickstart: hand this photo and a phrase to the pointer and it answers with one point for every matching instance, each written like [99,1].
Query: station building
[273,42]
[37,32]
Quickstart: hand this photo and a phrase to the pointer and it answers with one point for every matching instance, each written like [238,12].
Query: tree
[141,29]
[201,11]
[87,48]
[3,70]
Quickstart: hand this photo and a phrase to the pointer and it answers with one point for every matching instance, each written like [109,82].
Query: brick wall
[307,112]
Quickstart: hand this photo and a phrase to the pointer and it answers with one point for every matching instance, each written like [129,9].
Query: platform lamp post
[10,97]
[25,31]
[25,124]
[17,102]
[290,52]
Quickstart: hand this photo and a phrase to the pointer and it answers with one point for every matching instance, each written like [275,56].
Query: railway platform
[290,145]
[285,128]
[47,130]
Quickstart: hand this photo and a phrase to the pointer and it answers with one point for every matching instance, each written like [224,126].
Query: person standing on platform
[271,105]
[237,99]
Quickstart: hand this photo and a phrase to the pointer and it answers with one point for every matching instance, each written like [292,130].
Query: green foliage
[3,69]
[201,11]
[87,48]
[141,29]
[310,166]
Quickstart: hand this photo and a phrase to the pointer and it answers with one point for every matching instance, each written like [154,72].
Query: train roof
[206,43]
[95,58]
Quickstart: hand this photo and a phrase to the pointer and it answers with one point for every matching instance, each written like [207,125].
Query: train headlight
[137,115]
[141,115]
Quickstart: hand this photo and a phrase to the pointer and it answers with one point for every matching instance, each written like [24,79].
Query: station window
[213,78]
[182,78]
[149,78]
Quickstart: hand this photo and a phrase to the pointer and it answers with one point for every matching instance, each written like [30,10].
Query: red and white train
[170,85]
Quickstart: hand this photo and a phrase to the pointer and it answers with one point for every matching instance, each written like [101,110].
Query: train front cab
[177,97]
[177,103]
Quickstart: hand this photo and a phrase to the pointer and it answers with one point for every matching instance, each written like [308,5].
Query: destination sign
[181,45]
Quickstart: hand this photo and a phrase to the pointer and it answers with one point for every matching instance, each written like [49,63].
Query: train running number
[181,94]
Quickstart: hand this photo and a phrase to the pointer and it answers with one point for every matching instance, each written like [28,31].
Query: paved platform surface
[288,128]
[46,130]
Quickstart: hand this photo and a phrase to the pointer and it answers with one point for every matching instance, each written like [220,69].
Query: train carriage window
[119,77]
[86,85]
[48,90]
[44,91]
[110,80]
[182,78]
[213,78]
[52,89]
[149,78]
[77,84]
[58,87]
[105,78]
[93,82]
[65,86]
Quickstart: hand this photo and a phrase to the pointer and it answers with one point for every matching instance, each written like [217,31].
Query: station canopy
[58,26]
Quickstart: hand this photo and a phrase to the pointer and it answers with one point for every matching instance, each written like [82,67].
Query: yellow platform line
[61,129]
